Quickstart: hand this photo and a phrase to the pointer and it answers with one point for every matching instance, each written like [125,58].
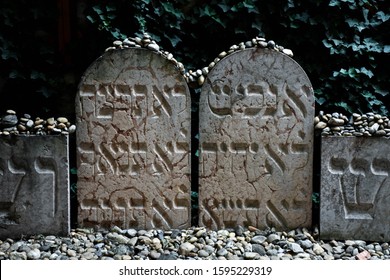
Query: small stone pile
[11,124]
[148,43]
[195,78]
[194,243]
[337,124]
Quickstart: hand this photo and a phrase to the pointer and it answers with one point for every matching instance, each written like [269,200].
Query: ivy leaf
[343,71]
[91,19]
[344,105]
[337,42]
[225,8]
[116,34]
[372,45]
[352,22]
[174,40]
[218,20]
[250,6]
[356,39]
[257,25]
[97,9]
[367,94]
[334,3]
[110,8]
[321,100]
[290,4]
[380,91]
[353,73]
[382,16]
[327,44]
[367,72]
[169,8]
[207,11]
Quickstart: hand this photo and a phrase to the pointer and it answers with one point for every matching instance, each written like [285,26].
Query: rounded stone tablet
[256,138]
[133,116]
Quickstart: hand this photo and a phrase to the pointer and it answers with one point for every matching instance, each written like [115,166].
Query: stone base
[355,188]
[34,185]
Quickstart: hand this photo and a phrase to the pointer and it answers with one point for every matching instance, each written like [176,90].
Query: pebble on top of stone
[195,78]
[148,43]
[194,243]
[12,124]
[337,124]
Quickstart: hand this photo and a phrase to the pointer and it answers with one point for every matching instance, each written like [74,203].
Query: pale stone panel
[256,141]
[133,142]
[355,188]
[34,186]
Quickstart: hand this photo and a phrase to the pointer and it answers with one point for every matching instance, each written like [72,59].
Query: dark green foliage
[29,62]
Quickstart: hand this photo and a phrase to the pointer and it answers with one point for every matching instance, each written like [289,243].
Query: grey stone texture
[133,113]
[34,186]
[355,188]
[256,140]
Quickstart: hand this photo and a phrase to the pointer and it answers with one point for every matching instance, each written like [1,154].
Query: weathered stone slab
[34,186]
[133,142]
[256,138]
[355,188]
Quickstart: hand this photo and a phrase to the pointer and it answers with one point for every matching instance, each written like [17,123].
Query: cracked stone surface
[256,141]
[34,185]
[133,142]
[355,188]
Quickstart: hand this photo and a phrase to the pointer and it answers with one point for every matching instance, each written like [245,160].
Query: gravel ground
[194,243]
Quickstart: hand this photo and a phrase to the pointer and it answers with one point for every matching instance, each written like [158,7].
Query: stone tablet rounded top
[117,63]
[250,83]
[256,64]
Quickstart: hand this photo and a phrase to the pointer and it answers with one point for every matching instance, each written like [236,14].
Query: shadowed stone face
[355,188]
[256,139]
[133,142]
[34,186]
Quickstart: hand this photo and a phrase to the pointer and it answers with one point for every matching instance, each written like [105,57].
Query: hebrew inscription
[355,188]
[133,142]
[256,138]
[34,186]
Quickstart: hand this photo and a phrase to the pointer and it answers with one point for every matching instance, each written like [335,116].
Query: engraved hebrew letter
[138,103]
[11,170]
[219,99]
[47,167]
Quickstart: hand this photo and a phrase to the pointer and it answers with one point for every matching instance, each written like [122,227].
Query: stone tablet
[133,142]
[34,186]
[256,140]
[355,188]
